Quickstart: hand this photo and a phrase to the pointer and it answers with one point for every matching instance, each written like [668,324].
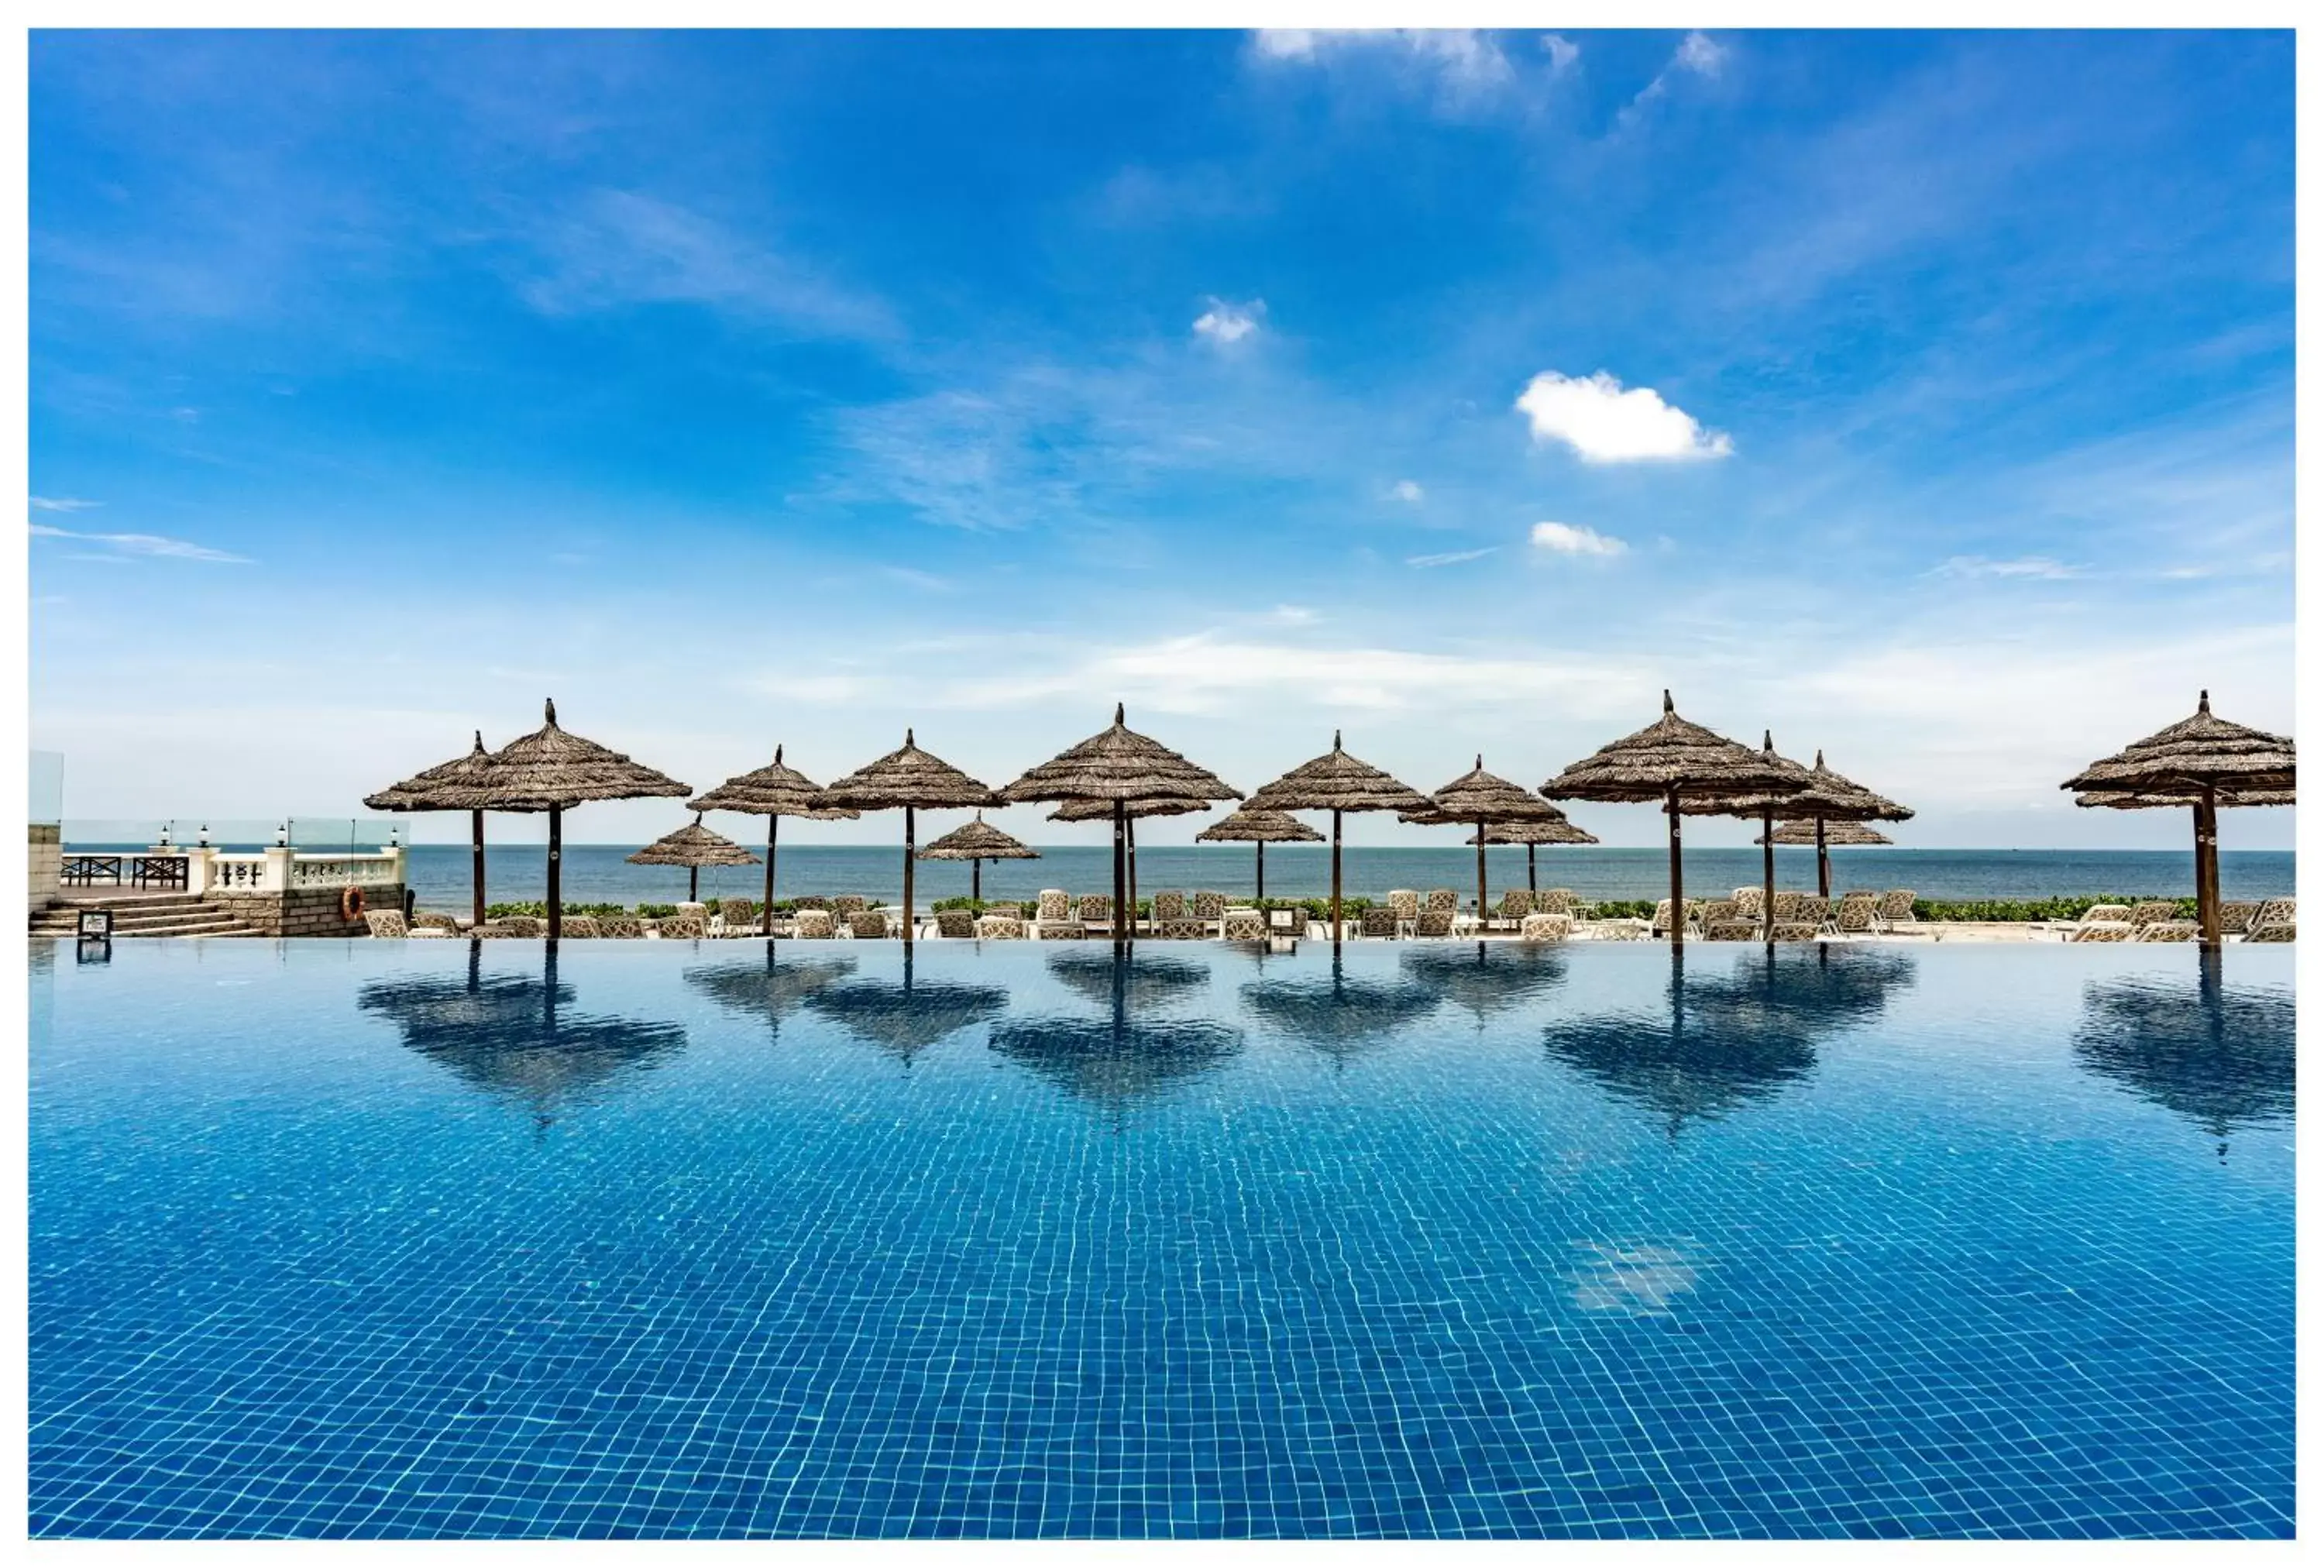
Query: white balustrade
[341,871]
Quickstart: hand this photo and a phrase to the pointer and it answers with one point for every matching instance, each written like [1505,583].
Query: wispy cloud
[1697,55]
[62,503]
[1605,422]
[1406,489]
[927,582]
[1451,558]
[1457,63]
[1567,538]
[1564,53]
[2035,566]
[1223,322]
[143,544]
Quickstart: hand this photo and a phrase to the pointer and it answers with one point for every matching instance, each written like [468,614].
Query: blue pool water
[409,1239]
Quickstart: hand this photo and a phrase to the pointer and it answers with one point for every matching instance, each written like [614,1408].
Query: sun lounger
[958,923]
[814,925]
[2165,931]
[1545,928]
[2147,913]
[2271,930]
[581,927]
[868,926]
[1896,911]
[1095,910]
[1433,922]
[1244,926]
[1000,928]
[680,927]
[1169,905]
[2102,923]
[737,918]
[1062,931]
[622,926]
[386,923]
[1182,930]
[1378,923]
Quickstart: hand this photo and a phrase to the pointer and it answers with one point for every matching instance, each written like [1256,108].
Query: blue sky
[1925,397]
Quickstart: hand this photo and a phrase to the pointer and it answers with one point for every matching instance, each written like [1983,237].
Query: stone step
[190,918]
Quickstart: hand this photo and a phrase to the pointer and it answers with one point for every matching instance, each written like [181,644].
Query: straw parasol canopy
[1118,766]
[1676,762]
[1553,829]
[1337,782]
[693,846]
[1836,834]
[977,842]
[774,792]
[461,784]
[1794,794]
[553,770]
[1833,798]
[907,778]
[1483,798]
[2205,762]
[1259,828]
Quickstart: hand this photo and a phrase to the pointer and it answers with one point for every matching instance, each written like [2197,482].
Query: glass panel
[45,798]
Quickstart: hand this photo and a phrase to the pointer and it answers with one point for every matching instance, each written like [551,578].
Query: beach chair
[867,925]
[1852,916]
[522,926]
[1000,928]
[812,901]
[2102,923]
[1896,911]
[2165,931]
[680,927]
[1721,922]
[1557,902]
[627,926]
[1053,907]
[1377,922]
[1660,925]
[736,917]
[1447,899]
[1433,922]
[847,904]
[1515,904]
[1796,931]
[1006,911]
[1210,906]
[1168,906]
[1619,930]
[581,927]
[1748,902]
[956,923]
[1182,930]
[1095,910]
[386,923]
[1545,928]
[1062,931]
[813,924]
[1406,902]
[430,920]
[2271,930]
[2235,919]
[1798,907]
[2147,912]
[1244,926]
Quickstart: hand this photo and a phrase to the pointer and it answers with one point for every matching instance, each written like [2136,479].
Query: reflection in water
[1150,980]
[1640,1281]
[1731,1039]
[768,990]
[1486,979]
[510,1036]
[903,1018]
[2221,1058]
[1120,1057]
[1338,1016]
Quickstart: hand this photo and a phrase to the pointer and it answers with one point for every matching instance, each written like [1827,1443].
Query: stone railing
[342,871]
[237,873]
[282,870]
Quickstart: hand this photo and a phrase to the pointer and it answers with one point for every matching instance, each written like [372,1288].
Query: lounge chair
[2235,919]
[1006,911]
[736,917]
[1433,922]
[581,927]
[1062,931]
[1557,902]
[1516,903]
[812,926]
[1094,910]
[680,929]
[430,920]
[1053,907]
[2165,931]
[386,923]
[1799,907]
[1376,922]
[2102,923]
[1734,930]
[522,926]
[1244,926]
[1184,930]
[1748,902]
[1169,905]
[1000,928]
[1209,906]
[956,923]
[1619,930]
[812,901]
[2271,930]
[868,926]
[1896,911]
[847,904]
[628,926]
[1405,903]
[1545,928]
[1661,924]
[1447,899]
[1796,931]
[2147,913]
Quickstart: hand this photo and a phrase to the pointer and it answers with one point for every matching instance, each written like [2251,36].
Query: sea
[598,873]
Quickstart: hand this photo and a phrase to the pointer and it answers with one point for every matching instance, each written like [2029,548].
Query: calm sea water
[598,873]
[405,1239]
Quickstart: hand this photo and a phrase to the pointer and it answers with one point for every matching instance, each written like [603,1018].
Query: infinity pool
[398,1239]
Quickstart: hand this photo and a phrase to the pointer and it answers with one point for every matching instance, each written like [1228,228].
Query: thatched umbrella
[977,842]
[1673,761]
[1835,835]
[1131,810]
[1533,834]
[693,846]
[1834,798]
[458,785]
[773,792]
[1485,799]
[2205,760]
[552,771]
[1338,783]
[1259,828]
[1118,766]
[911,779]
[1793,795]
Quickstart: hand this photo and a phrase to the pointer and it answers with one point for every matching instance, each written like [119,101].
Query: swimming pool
[413,1238]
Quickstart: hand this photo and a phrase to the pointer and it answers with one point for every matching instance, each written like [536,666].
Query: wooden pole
[476,854]
[555,873]
[976,882]
[1260,897]
[694,884]
[1767,892]
[1336,877]
[1129,842]
[767,915]
[1480,873]
[1678,888]
[1823,864]
[2207,865]
[1533,884]
[907,873]
[1120,889]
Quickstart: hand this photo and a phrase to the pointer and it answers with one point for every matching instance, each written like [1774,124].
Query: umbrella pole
[976,882]
[1480,876]
[1121,824]
[1336,877]
[2207,865]
[1532,885]
[768,911]
[908,875]
[555,873]
[1767,891]
[476,867]
[1260,897]
[1678,891]
[1130,855]
[694,884]
[1824,865]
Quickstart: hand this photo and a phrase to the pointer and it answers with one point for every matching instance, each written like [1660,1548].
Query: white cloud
[1563,52]
[1291,615]
[1452,557]
[1699,54]
[1568,540]
[143,544]
[1604,422]
[61,504]
[1406,489]
[2037,566]
[1229,323]
[1461,63]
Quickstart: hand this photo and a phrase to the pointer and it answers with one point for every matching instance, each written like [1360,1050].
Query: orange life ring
[351,904]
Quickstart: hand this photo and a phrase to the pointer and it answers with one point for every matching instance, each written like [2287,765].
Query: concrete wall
[305,912]
[44,860]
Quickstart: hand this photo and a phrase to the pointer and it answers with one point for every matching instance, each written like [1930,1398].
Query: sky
[1925,398]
